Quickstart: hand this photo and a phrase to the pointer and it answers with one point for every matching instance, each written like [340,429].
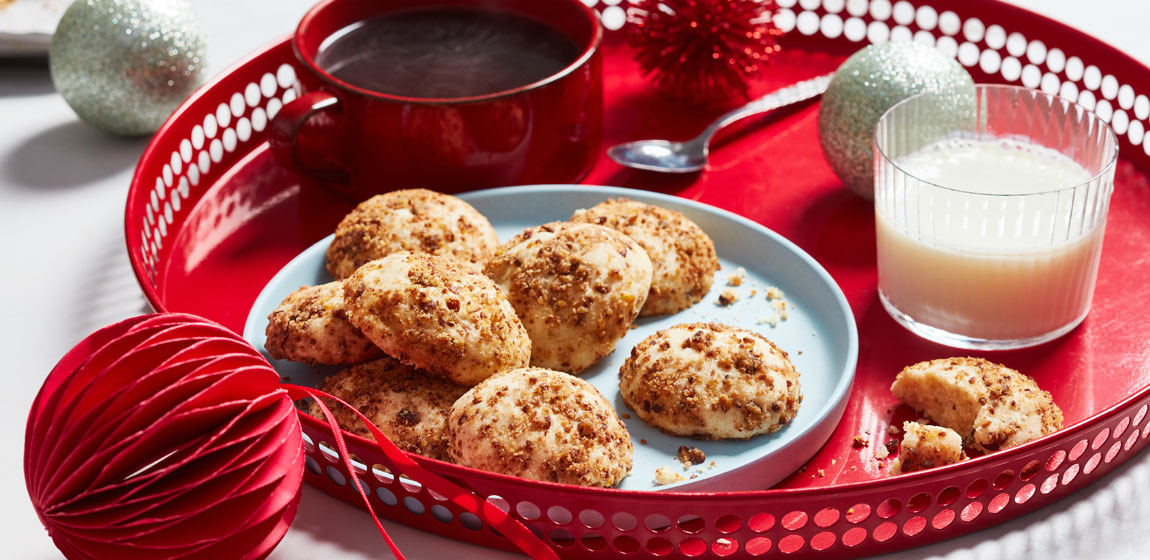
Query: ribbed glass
[986,269]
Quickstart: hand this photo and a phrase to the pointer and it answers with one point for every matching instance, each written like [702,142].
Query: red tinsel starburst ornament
[703,51]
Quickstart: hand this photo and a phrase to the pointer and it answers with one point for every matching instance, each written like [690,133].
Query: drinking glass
[989,269]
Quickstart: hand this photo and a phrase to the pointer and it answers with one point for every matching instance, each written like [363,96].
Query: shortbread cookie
[682,255]
[712,381]
[437,314]
[409,406]
[311,325]
[990,405]
[926,446]
[576,287]
[416,220]
[543,425]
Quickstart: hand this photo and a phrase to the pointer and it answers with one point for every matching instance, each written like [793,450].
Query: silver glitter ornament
[125,65]
[872,81]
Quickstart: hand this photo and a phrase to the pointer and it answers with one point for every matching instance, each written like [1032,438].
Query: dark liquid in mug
[445,53]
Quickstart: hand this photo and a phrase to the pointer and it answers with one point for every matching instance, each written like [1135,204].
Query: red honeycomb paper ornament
[169,436]
[164,436]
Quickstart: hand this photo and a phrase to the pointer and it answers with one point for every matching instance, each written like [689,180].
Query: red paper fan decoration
[164,436]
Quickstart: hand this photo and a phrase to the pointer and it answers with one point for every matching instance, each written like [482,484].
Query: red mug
[361,142]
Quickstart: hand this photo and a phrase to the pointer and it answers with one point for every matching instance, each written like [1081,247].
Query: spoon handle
[800,91]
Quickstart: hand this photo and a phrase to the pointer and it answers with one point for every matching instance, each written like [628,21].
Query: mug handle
[283,135]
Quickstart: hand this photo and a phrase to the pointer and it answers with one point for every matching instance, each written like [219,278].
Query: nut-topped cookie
[576,287]
[990,405]
[310,325]
[415,220]
[543,425]
[682,255]
[437,314]
[711,381]
[409,406]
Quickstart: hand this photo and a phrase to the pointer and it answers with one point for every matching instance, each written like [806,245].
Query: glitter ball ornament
[703,51]
[124,65]
[872,81]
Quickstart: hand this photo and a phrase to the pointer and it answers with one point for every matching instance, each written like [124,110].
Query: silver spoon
[690,156]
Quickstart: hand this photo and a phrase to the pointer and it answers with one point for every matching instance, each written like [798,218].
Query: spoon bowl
[659,155]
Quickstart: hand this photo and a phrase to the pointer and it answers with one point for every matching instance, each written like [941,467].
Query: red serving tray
[205,241]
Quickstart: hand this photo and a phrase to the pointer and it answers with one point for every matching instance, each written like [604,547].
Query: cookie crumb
[881,453]
[780,307]
[772,320]
[925,447]
[727,298]
[773,293]
[891,446]
[691,455]
[625,416]
[642,442]
[822,473]
[667,475]
[833,461]
[736,279]
[892,430]
[860,442]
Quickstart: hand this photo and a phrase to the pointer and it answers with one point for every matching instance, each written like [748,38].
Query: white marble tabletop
[65,273]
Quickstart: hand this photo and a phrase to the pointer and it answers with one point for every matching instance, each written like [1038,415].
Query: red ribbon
[508,526]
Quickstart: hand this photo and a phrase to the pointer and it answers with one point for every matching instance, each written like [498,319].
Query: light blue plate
[819,334]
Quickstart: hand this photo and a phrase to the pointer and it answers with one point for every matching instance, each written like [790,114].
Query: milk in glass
[983,239]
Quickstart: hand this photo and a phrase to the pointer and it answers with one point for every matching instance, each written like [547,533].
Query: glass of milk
[989,219]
